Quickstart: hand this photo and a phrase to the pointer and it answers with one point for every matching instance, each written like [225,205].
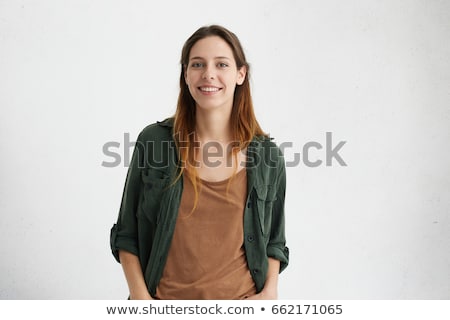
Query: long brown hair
[243,123]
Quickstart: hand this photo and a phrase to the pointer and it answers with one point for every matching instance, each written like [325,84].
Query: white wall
[77,74]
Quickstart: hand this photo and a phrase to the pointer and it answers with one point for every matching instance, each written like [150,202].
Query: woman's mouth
[208,89]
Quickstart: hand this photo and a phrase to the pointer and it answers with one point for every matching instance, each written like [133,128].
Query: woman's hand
[141,296]
[264,295]
[270,291]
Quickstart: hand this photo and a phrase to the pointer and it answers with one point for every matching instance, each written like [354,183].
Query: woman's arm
[270,291]
[134,276]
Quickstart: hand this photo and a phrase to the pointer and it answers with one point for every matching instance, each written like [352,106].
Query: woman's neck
[213,125]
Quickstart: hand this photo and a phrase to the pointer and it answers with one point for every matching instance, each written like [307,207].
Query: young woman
[202,213]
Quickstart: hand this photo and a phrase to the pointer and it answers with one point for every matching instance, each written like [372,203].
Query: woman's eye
[223,65]
[197,65]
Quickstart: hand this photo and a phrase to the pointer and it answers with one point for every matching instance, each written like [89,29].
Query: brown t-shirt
[206,260]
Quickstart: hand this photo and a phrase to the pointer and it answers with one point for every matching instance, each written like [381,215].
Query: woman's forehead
[211,47]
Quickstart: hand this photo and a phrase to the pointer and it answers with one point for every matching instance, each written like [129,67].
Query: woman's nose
[209,73]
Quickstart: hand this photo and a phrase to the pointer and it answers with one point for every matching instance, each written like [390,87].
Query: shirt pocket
[155,183]
[265,197]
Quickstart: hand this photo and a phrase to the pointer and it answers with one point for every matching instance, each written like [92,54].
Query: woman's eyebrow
[201,58]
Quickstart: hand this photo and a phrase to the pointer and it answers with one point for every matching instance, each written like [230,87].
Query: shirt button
[255,271]
[250,238]
[249,204]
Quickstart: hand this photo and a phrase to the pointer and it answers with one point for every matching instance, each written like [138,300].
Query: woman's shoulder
[267,149]
[159,130]
[265,141]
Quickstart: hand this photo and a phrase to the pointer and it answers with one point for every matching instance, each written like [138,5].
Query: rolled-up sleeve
[277,248]
[124,233]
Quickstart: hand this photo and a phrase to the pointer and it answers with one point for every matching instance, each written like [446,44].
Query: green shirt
[150,202]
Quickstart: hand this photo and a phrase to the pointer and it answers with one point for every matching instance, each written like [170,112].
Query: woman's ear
[242,72]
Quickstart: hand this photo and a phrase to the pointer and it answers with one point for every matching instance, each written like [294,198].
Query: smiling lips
[209,89]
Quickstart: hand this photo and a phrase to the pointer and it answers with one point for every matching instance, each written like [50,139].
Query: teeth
[209,89]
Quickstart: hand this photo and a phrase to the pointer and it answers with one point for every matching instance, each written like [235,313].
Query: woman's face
[212,74]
